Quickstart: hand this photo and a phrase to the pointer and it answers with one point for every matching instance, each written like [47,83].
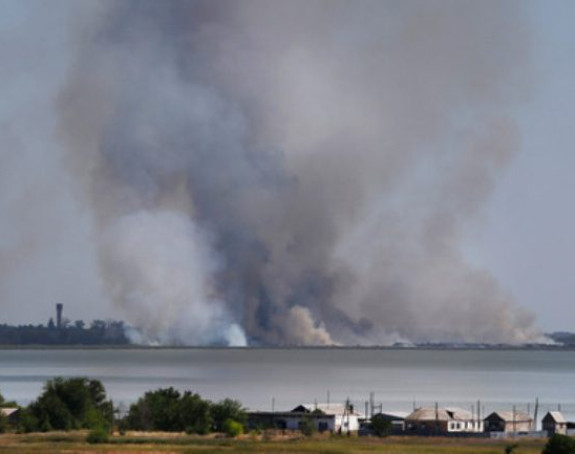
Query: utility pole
[478,414]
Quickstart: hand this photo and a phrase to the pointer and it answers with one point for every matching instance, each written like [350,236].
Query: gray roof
[442,414]
[8,411]
[557,416]
[510,416]
[393,414]
[329,409]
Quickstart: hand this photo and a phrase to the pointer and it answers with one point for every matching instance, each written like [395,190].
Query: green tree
[195,413]
[4,425]
[559,444]
[7,404]
[72,403]
[227,409]
[168,410]
[156,410]
[27,422]
[380,426]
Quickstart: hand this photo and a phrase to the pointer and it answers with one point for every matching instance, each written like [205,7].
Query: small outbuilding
[554,423]
[509,422]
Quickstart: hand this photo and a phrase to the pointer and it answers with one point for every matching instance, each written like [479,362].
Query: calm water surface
[399,378]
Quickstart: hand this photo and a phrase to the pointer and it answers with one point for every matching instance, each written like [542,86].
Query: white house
[336,418]
[554,423]
[342,418]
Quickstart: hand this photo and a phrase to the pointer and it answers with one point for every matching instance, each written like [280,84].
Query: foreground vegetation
[265,443]
[80,403]
[74,415]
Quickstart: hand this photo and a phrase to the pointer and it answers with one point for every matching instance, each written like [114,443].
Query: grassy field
[74,442]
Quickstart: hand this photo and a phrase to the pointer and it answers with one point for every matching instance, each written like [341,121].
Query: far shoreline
[431,347]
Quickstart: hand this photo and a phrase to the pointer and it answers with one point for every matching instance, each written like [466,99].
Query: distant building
[435,420]
[554,423]
[509,421]
[336,418]
[13,414]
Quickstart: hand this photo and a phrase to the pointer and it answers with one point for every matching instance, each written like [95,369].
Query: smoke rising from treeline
[297,172]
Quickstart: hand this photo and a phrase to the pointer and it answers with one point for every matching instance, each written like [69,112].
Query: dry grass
[150,443]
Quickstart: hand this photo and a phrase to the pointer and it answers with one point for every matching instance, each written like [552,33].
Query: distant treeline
[100,332]
[562,337]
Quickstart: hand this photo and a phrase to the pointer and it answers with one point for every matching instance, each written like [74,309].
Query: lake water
[284,378]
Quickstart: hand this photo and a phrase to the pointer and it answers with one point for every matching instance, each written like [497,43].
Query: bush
[233,428]
[509,449]
[307,427]
[559,444]
[99,435]
[380,427]
[227,409]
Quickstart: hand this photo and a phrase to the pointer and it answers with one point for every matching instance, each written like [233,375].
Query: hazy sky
[529,239]
[525,237]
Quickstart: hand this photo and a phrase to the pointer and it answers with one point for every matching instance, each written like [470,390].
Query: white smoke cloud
[160,269]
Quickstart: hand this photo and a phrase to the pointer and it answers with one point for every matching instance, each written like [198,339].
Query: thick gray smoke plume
[296,172]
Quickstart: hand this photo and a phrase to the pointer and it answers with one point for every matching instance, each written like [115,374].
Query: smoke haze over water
[297,172]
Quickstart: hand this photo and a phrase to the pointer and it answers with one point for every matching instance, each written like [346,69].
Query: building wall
[433,426]
[517,426]
[554,428]
[347,423]
[426,426]
[496,424]
[465,426]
